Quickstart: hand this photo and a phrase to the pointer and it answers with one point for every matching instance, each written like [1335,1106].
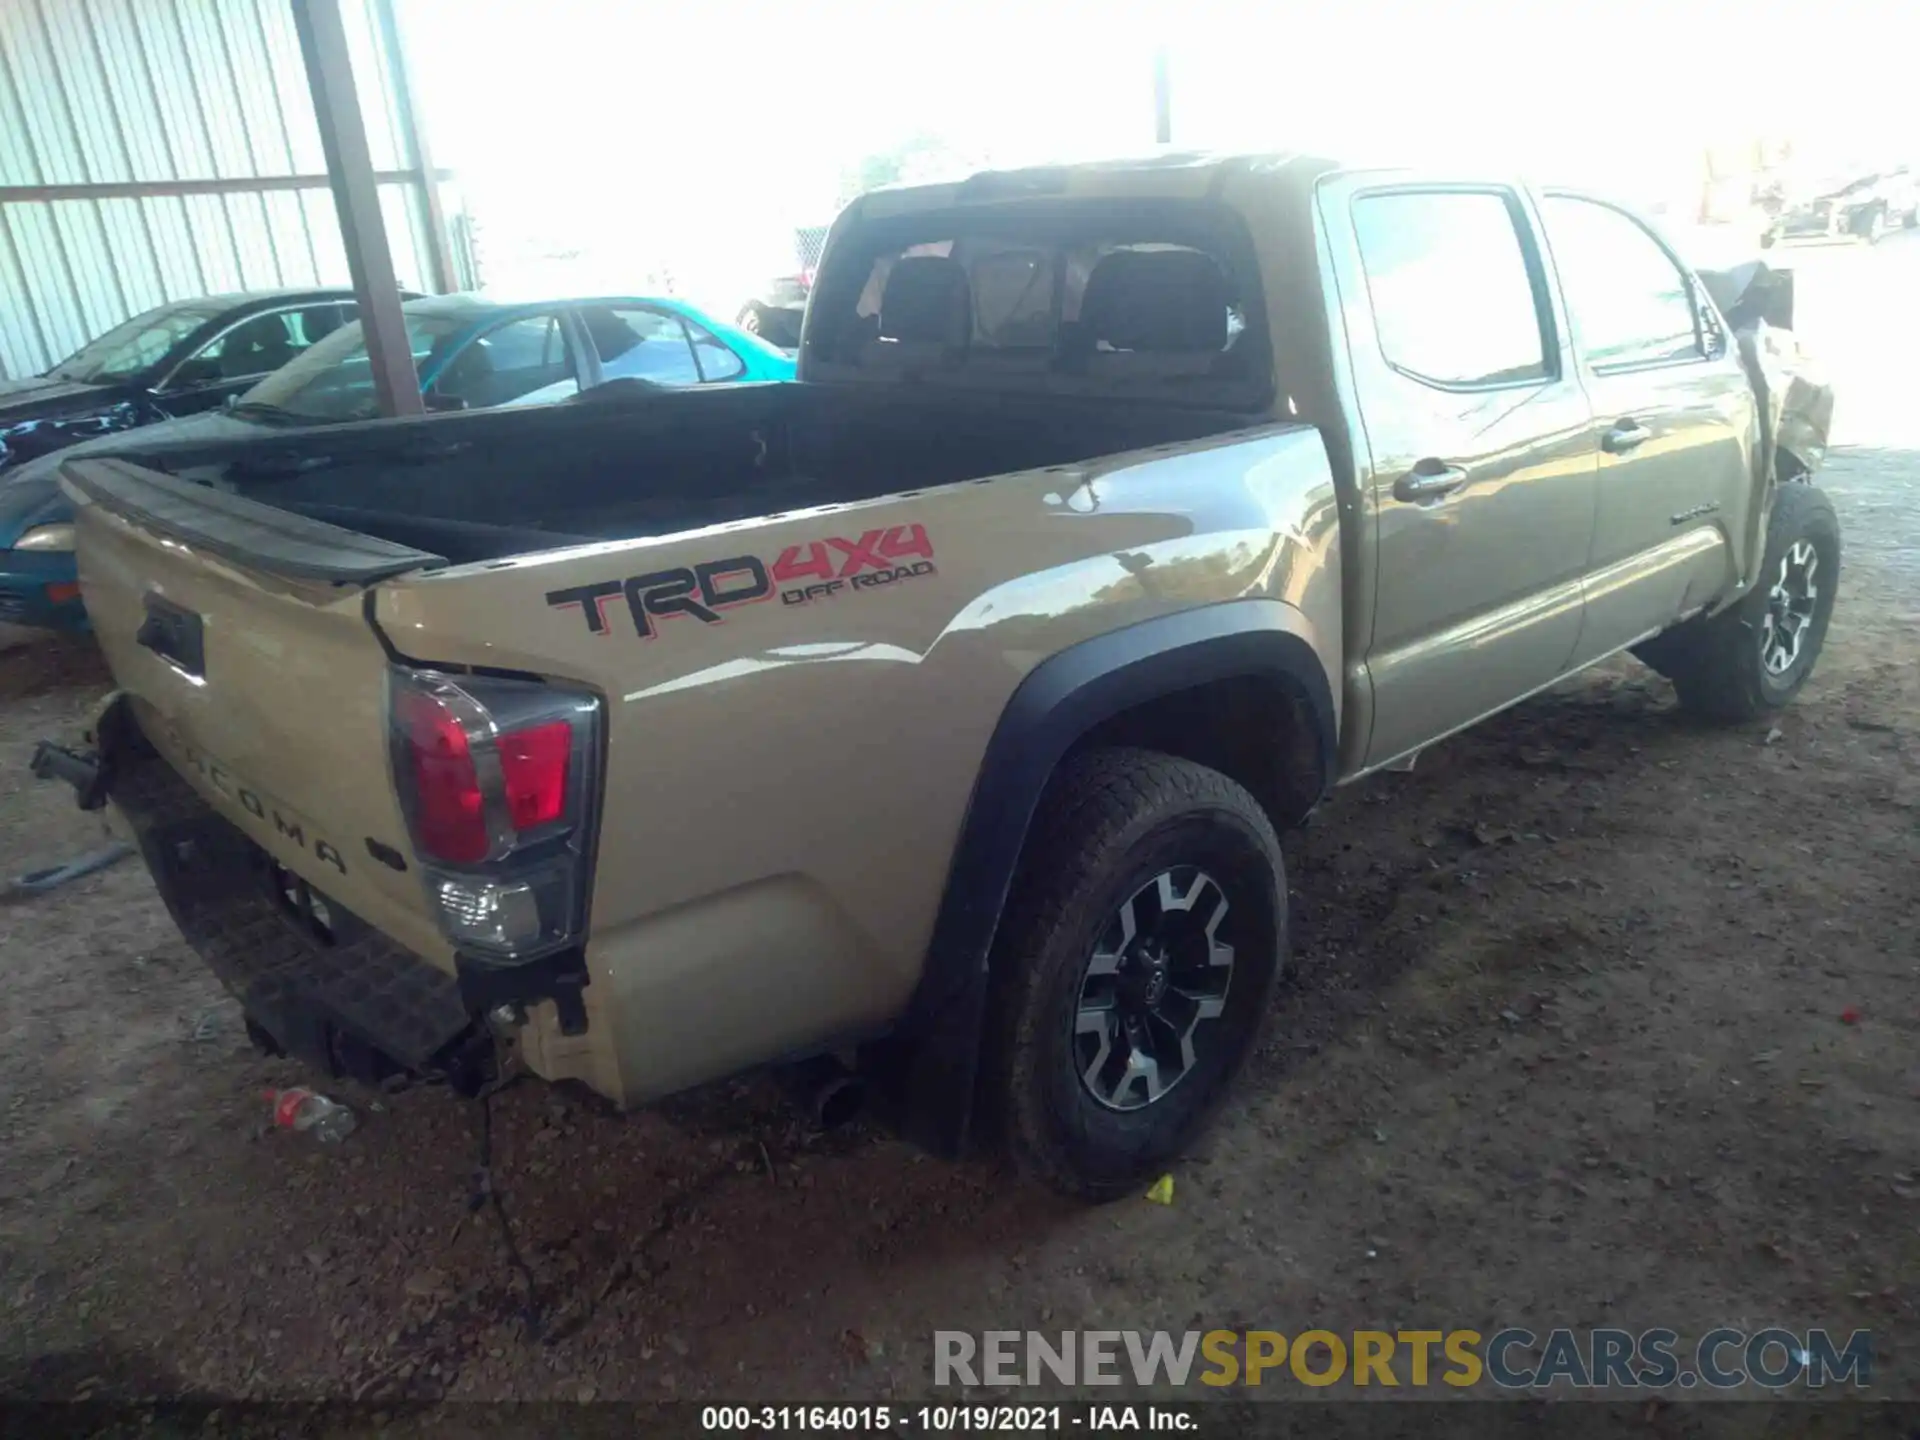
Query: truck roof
[1166,173]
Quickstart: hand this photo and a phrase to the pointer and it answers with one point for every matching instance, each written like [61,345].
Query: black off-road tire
[1715,663]
[1110,823]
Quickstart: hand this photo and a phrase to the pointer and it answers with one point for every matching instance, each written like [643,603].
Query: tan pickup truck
[938,712]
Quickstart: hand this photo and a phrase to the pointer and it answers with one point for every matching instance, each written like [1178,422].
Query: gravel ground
[1598,1017]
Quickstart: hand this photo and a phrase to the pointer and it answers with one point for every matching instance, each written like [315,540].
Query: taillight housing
[499,780]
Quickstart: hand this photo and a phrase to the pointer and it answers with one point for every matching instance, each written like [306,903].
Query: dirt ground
[1597,1017]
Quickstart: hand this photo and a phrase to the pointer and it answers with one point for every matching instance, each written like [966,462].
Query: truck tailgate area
[266,693]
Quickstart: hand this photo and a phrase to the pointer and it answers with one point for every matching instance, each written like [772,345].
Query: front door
[1481,483]
[1675,422]
[243,355]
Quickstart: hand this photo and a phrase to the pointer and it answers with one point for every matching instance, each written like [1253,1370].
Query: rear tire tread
[1098,809]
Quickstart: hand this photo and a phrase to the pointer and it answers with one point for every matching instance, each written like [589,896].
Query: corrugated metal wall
[122,94]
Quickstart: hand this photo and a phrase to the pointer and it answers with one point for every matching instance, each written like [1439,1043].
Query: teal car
[471,353]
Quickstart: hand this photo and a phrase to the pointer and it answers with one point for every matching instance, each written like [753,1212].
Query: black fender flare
[930,1064]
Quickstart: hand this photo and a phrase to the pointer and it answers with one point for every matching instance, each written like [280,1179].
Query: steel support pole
[439,249]
[356,197]
[1162,98]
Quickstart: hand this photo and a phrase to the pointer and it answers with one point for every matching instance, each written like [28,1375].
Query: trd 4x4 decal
[817,570]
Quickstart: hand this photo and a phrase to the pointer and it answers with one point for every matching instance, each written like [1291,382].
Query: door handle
[1428,480]
[1624,436]
[174,634]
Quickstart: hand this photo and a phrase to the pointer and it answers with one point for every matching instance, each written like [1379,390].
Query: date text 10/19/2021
[949,1419]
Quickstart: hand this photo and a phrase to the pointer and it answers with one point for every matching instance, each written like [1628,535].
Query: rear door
[1676,423]
[1482,469]
[528,360]
[639,342]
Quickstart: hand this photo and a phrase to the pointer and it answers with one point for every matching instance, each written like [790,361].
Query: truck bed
[467,488]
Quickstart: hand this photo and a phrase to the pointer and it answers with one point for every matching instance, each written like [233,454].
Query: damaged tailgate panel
[240,637]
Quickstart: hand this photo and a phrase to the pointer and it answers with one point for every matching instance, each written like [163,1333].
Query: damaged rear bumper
[315,982]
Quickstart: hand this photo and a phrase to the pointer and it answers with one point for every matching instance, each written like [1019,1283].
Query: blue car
[471,353]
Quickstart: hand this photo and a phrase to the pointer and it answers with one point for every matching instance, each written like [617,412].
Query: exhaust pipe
[829,1093]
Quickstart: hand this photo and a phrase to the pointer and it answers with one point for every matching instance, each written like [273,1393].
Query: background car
[776,312]
[178,359]
[470,353]
[1865,208]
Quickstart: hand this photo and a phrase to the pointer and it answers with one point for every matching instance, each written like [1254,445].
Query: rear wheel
[1135,966]
[1754,657]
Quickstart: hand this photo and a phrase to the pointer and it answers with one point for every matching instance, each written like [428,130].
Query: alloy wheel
[1156,981]
[1790,607]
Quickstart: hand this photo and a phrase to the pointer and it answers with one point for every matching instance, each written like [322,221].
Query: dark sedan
[179,359]
[471,353]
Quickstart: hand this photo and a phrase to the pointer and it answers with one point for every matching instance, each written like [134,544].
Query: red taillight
[498,780]
[455,814]
[533,763]
[449,809]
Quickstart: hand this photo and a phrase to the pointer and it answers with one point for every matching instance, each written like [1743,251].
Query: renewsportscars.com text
[1510,1359]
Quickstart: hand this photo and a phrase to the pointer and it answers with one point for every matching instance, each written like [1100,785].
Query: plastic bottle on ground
[328,1121]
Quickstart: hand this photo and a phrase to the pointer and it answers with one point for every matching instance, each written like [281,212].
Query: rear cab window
[1095,296]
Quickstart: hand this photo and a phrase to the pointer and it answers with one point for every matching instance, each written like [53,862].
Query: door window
[523,362]
[1454,301]
[717,362]
[1630,304]
[134,345]
[642,345]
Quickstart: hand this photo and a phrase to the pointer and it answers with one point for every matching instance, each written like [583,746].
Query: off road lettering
[801,596]
[887,577]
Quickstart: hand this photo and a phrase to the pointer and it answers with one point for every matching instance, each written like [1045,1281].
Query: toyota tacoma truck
[938,714]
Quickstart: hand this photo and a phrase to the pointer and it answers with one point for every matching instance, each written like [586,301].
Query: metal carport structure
[154,149]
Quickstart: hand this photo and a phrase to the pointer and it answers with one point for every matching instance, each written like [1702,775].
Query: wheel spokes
[1204,1008]
[1097,1021]
[1142,1071]
[1159,971]
[1791,604]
